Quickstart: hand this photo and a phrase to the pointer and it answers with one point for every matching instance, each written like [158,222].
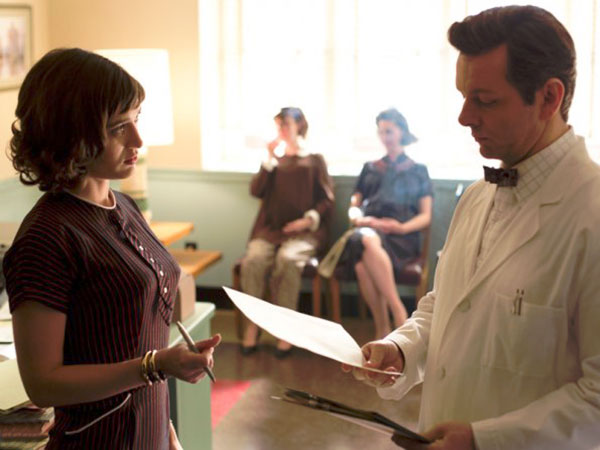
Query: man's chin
[487,152]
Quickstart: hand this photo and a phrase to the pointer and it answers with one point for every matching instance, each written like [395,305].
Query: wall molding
[244,177]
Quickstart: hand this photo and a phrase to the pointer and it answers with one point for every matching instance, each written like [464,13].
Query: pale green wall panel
[222,210]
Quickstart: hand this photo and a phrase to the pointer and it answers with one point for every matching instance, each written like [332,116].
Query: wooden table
[169,232]
[195,262]
[166,232]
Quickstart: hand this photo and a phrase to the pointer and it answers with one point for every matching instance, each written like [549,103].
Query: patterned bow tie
[501,177]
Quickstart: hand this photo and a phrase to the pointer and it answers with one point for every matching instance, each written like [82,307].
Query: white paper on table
[317,335]
[6,334]
[12,391]
[4,309]
[7,351]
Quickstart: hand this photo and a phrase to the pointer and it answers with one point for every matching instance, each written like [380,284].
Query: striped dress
[116,283]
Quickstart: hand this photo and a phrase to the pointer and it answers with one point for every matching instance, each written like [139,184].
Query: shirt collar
[535,170]
[399,159]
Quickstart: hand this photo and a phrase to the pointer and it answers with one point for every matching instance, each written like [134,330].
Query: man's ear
[552,95]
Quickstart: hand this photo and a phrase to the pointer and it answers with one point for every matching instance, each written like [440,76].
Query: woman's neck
[95,191]
[292,148]
[395,152]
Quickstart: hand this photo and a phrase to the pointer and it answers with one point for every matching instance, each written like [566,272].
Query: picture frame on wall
[15,44]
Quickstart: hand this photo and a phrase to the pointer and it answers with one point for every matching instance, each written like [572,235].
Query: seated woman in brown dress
[91,288]
[392,202]
[296,195]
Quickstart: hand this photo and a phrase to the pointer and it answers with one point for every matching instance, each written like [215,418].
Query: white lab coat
[523,381]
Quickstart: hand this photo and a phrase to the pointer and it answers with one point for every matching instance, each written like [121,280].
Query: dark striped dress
[116,282]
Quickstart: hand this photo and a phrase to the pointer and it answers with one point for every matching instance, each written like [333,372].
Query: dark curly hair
[63,109]
[538,47]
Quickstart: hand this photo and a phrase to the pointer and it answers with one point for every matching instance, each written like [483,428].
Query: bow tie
[501,177]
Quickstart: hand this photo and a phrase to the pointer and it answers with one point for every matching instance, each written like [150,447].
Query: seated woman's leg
[375,301]
[379,266]
[257,261]
[286,279]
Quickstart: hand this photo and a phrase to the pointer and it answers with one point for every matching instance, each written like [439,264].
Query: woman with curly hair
[91,289]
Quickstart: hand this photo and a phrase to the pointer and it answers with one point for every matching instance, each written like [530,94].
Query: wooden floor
[261,423]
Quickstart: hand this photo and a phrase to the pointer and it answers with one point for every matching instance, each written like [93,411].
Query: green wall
[222,210]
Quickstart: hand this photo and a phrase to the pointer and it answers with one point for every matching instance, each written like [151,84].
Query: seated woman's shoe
[282,354]
[250,349]
[246,351]
[283,350]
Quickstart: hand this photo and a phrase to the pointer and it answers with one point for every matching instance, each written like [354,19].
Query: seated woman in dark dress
[392,202]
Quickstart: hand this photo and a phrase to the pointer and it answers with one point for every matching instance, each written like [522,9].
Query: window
[342,62]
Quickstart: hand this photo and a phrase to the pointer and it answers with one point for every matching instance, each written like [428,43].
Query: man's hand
[298,225]
[382,355]
[445,436]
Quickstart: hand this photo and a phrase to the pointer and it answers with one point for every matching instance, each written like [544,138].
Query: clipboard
[368,419]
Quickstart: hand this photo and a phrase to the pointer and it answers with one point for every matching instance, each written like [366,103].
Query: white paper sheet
[6,334]
[12,392]
[317,335]
[7,351]
[4,309]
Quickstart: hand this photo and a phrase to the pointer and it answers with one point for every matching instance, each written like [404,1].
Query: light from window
[342,62]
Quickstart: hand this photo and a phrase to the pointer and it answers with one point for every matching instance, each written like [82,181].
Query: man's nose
[468,117]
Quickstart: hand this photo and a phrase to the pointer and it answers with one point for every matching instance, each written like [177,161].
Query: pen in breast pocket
[192,346]
[517,302]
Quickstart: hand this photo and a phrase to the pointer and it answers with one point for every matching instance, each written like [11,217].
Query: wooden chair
[415,273]
[309,272]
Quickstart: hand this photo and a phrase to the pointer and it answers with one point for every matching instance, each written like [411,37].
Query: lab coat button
[464,306]
[442,373]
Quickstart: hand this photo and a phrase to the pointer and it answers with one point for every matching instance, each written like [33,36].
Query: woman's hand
[298,225]
[354,213]
[389,226]
[367,221]
[174,443]
[180,362]
[271,146]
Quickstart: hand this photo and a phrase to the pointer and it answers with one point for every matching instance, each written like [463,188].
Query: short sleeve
[37,267]
[360,183]
[425,185]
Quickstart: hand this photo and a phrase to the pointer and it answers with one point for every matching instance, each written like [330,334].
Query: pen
[190,342]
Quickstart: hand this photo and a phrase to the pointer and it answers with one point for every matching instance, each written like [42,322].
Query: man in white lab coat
[507,343]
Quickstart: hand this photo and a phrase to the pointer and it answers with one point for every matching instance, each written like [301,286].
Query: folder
[368,419]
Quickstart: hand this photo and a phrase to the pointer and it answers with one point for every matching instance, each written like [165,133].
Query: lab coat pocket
[522,337]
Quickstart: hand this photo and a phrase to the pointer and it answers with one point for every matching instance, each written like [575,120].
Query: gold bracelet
[158,374]
[152,372]
[145,376]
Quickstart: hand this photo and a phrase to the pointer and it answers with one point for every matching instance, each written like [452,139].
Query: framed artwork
[15,44]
